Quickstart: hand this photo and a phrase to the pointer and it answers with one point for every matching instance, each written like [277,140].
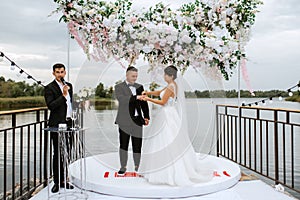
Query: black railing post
[13,120]
[45,149]
[240,132]
[217,128]
[276,146]
[5,165]
[81,116]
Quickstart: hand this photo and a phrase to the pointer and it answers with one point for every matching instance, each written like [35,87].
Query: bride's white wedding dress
[168,156]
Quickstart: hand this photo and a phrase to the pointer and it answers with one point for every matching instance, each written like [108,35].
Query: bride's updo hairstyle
[171,71]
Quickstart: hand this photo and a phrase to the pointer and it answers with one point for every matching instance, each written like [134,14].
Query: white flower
[112,17]
[128,28]
[103,8]
[106,22]
[91,12]
[133,36]
[180,58]
[113,36]
[197,33]
[199,49]
[148,48]
[186,39]
[198,18]
[116,23]
[170,39]
[233,59]
[177,48]
[163,42]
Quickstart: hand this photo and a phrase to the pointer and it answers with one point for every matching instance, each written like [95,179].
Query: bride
[168,156]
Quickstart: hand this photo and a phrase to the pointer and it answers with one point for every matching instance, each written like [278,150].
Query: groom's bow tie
[130,85]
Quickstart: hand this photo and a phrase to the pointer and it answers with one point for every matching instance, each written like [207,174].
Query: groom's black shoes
[68,186]
[55,188]
[122,171]
[136,168]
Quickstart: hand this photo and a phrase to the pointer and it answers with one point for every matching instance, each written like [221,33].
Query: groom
[132,114]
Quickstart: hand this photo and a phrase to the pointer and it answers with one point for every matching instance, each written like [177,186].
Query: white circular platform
[101,177]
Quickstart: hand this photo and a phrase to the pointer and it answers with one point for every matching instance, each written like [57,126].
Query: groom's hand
[146,121]
[139,97]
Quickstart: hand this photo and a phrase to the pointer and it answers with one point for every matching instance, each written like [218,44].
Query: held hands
[143,97]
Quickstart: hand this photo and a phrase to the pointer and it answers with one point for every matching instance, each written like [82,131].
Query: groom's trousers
[136,148]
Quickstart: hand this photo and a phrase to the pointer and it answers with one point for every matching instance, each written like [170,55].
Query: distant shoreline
[38,101]
[295,98]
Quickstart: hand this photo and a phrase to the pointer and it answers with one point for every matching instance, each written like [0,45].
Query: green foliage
[103,92]
[22,102]
[12,89]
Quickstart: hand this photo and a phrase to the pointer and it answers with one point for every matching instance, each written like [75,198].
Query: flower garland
[202,33]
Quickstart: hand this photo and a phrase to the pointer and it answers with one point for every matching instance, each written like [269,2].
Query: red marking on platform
[127,174]
[226,174]
[106,174]
[216,173]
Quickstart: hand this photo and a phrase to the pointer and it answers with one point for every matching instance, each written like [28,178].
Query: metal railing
[24,153]
[264,140]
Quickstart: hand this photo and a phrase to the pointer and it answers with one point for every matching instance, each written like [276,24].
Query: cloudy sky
[36,41]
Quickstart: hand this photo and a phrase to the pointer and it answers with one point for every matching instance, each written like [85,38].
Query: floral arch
[203,33]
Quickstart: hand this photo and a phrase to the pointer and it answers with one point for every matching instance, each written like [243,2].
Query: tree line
[11,89]
[234,94]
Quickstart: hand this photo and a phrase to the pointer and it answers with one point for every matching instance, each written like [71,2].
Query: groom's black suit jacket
[128,104]
[56,103]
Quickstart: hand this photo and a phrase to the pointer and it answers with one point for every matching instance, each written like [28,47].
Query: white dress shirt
[69,104]
[133,91]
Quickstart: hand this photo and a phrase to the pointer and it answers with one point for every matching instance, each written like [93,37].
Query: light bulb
[280,98]
[1,58]
[290,94]
[12,67]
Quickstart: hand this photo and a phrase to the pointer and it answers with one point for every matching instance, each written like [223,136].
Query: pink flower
[156,45]
[70,5]
[133,20]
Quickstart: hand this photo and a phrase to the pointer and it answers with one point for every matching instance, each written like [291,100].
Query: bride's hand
[145,98]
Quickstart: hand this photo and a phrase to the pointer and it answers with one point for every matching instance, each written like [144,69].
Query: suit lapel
[56,86]
[127,89]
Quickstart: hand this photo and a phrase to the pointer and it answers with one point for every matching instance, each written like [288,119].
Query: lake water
[102,133]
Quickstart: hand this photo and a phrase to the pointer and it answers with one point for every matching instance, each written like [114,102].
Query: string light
[13,65]
[290,92]
[270,99]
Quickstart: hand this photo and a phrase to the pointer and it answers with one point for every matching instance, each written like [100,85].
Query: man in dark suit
[132,114]
[58,97]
